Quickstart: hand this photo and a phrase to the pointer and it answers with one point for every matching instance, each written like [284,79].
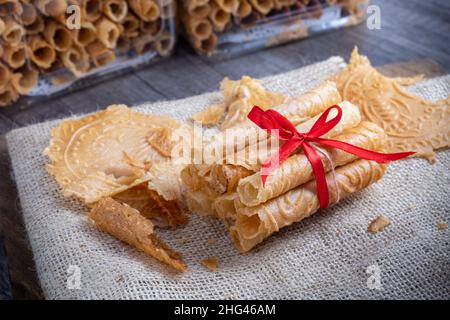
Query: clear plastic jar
[52,46]
[225,28]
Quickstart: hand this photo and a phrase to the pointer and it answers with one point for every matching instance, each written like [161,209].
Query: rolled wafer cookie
[107,32]
[197,8]
[25,79]
[147,10]
[5,75]
[115,10]
[92,10]
[262,6]
[10,8]
[52,8]
[86,34]
[219,17]
[297,170]
[36,27]
[28,15]
[8,95]
[14,55]
[229,6]
[40,52]
[100,54]
[248,161]
[13,32]
[76,60]
[251,225]
[57,35]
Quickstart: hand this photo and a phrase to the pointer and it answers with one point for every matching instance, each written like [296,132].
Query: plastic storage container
[54,46]
[224,28]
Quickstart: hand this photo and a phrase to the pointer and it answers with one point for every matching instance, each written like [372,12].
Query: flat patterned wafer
[90,156]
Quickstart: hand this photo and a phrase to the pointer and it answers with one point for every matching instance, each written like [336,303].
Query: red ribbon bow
[278,125]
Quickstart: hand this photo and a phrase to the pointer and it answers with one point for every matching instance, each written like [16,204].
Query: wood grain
[411,30]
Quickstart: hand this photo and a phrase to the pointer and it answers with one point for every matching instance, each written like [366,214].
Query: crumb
[442,226]
[120,278]
[212,241]
[210,263]
[338,232]
[378,224]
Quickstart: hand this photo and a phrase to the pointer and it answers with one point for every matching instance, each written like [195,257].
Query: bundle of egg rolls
[231,188]
[46,37]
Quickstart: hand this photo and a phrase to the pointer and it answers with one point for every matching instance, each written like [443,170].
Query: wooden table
[414,38]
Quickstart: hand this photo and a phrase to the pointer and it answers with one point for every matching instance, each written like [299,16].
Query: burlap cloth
[326,256]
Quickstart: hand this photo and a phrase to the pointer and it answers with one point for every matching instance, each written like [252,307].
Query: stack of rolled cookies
[204,20]
[231,188]
[65,39]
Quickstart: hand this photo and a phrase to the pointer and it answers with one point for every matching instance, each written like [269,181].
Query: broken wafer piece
[128,225]
[378,224]
[210,263]
[211,116]
[163,213]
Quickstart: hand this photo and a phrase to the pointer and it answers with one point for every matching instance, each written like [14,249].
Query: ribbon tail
[319,173]
[363,153]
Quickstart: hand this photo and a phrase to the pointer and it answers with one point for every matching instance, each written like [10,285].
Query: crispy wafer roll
[219,17]
[8,95]
[247,162]
[262,6]
[86,34]
[229,6]
[9,8]
[244,9]
[280,4]
[147,10]
[40,52]
[164,44]
[5,76]
[58,36]
[297,110]
[76,60]
[99,54]
[52,8]
[13,32]
[297,170]
[107,32]
[168,9]
[128,225]
[197,8]
[28,15]
[123,44]
[92,9]
[14,56]
[25,79]
[249,20]
[207,45]
[130,25]
[2,26]
[144,43]
[36,27]
[116,10]
[251,225]
[198,29]
[150,27]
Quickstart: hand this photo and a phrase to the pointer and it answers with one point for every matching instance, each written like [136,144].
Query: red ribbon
[278,125]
